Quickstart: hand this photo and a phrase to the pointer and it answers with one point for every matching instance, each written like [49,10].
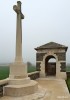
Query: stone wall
[61,56]
[63,66]
[34,75]
[38,66]
[39,56]
[1,89]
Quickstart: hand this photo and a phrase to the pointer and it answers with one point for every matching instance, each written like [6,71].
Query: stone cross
[20,16]
[18,69]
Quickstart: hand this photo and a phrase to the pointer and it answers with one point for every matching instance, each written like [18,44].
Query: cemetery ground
[4,73]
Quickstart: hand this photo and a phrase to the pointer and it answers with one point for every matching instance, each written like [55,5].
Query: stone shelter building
[45,53]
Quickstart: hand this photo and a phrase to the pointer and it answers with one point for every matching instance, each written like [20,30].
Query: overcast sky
[45,21]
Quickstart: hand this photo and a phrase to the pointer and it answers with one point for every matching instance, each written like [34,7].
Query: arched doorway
[50,66]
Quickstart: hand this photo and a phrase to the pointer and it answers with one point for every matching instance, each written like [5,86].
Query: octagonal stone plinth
[21,90]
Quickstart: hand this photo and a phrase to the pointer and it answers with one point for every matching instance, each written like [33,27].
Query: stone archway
[50,67]
[42,64]
[51,50]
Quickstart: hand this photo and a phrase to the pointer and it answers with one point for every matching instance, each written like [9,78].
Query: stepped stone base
[19,81]
[21,90]
[40,94]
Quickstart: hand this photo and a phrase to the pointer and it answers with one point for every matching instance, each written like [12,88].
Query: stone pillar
[18,32]
[42,72]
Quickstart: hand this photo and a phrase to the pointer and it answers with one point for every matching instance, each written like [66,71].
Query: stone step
[19,81]
[21,90]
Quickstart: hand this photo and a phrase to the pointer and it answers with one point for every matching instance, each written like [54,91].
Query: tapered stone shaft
[20,16]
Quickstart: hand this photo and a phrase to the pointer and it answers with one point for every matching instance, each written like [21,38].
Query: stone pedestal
[21,88]
[18,70]
[19,83]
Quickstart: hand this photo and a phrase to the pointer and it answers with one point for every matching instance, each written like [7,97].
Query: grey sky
[45,21]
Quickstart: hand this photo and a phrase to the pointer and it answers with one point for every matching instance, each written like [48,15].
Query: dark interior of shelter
[50,67]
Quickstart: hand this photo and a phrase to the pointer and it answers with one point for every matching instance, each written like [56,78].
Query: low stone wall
[34,75]
[1,89]
[68,74]
[2,84]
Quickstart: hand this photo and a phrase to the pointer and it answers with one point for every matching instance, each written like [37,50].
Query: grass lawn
[68,68]
[68,83]
[68,80]
[31,69]
[4,71]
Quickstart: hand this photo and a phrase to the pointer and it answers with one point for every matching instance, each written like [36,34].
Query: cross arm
[22,16]
[16,9]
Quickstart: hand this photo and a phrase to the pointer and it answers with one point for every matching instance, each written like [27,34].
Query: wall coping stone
[33,72]
[4,81]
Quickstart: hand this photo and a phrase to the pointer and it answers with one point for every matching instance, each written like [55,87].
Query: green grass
[68,83]
[31,69]
[68,68]
[4,71]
